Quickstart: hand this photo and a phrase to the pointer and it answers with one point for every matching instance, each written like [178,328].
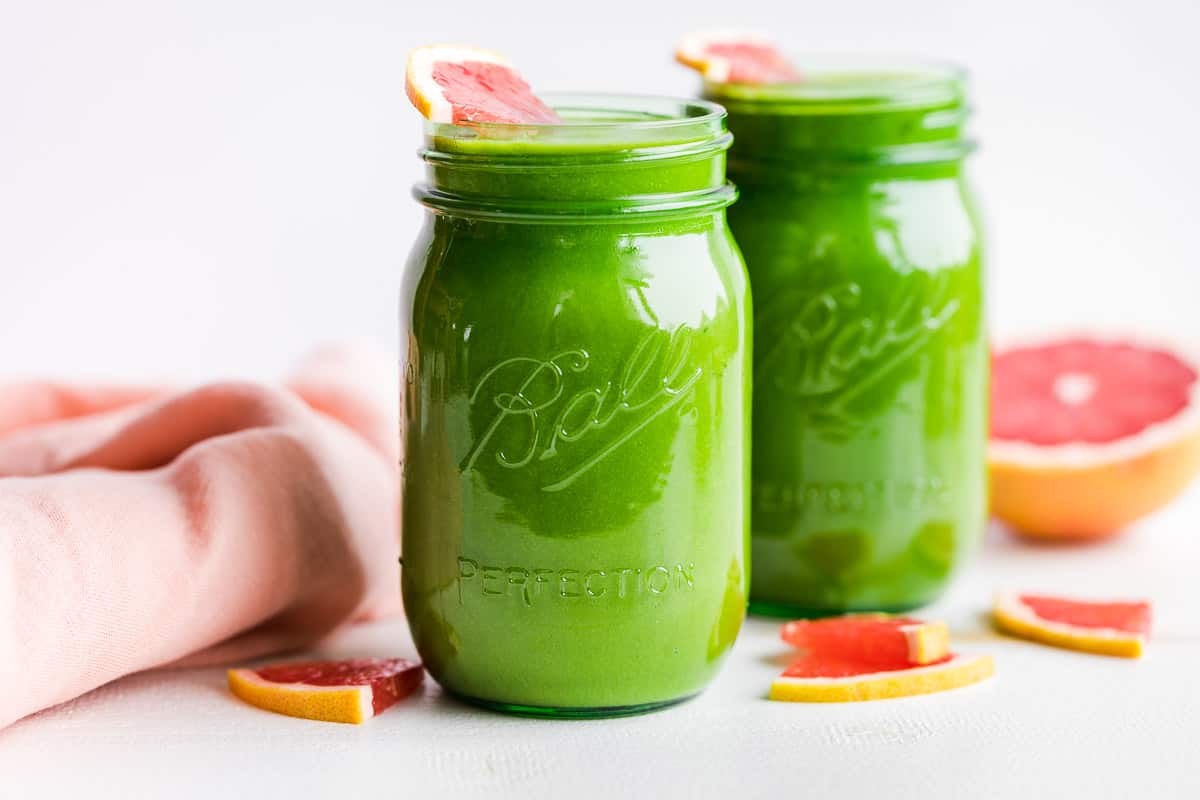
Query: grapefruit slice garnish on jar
[1114,628]
[1090,434]
[330,691]
[735,57]
[463,85]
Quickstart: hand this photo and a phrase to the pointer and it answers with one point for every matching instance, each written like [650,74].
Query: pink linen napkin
[144,527]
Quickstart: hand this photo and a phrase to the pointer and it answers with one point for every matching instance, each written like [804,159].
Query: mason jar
[576,442]
[862,240]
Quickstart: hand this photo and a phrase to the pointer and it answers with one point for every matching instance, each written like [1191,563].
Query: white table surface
[1053,723]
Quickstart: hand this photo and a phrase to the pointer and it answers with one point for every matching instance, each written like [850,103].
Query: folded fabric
[142,527]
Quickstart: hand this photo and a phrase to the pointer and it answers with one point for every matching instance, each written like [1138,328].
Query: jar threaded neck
[612,156]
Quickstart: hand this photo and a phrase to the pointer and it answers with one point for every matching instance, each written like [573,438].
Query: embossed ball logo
[559,409]
[829,347]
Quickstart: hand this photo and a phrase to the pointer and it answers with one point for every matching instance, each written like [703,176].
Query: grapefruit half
[1090,434]
[735,57]
[878,638]
[463,85]
[1110,628]
[331,691]
[818,679]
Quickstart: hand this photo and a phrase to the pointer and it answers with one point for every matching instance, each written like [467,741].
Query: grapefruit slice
[1108,628]
[735,57]
[818,679]
[463,85]
[330,691]
[1088,435]
[877,638]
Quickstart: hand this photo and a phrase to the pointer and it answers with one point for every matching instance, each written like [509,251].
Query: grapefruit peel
[951,673]
[1013,614]
[877,637]
[367,687]
[1090,490]
[728,56]
[459,85]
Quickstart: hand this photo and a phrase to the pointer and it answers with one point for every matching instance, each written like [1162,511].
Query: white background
[209,188]
[193,189]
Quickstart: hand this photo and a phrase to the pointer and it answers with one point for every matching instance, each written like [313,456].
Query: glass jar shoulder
[494,288]
[899,225]
[895,252]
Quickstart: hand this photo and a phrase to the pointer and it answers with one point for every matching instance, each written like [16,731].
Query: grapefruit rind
[1086,491]
[1046,501]
[955,673]
[927,641]
[1014,617]
[424,91]
[351,704]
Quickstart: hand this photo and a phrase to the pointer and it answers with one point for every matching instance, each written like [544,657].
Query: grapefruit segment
[331,691]
[735,57]
[1089,435]
[464,85]
[876,638]
[1108,628]
[816,679]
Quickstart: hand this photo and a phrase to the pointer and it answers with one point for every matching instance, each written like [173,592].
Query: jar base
[789,611]
[555,712]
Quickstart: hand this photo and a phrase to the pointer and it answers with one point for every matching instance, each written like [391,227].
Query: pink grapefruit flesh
[1085,391]
[331,691]
[1089,435]
[730,57]
[823,666]
[1128,617]
[464,86]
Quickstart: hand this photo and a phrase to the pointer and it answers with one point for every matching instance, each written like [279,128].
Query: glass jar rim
[844,83]
[589,116]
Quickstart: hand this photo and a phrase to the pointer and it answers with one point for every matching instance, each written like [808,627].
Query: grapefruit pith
[876,638]
[331,691]
[1089,435]
[814,679]
[1109,628]
[464,85]
[735,57]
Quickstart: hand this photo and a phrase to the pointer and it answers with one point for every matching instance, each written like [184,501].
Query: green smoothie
[576,451]
[870,369]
